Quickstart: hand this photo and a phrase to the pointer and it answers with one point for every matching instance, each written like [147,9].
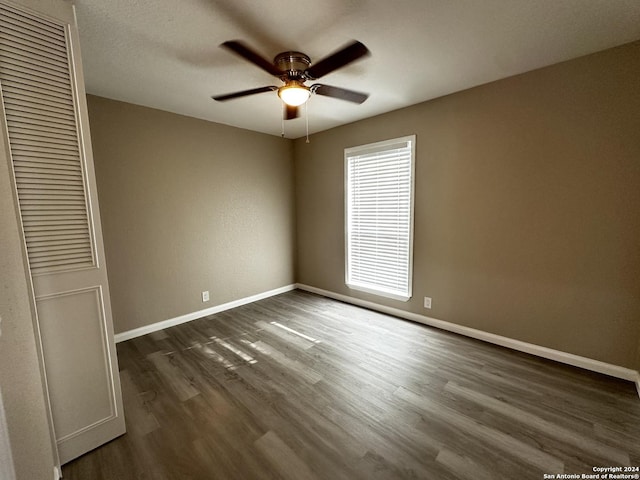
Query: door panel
[73,329]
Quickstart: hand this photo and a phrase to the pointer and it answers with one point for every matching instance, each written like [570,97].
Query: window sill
[380,293]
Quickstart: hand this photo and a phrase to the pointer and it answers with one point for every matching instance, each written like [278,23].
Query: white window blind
[40,116]
[379,217]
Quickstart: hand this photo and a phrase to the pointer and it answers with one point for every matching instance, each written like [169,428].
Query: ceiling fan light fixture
[294,69]
[294,94]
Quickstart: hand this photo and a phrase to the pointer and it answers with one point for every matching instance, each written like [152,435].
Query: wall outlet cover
[427,302]
[205,296]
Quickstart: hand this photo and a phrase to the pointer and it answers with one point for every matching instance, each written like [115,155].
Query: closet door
[46,130]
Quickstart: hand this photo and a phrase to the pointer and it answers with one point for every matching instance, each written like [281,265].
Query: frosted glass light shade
[294,95]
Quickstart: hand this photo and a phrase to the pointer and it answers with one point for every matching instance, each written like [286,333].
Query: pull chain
[306,118]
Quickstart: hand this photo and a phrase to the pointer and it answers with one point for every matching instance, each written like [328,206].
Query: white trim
[56,474]
[154,327]
[544,352]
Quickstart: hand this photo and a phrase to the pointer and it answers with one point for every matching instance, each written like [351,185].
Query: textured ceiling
[164,53]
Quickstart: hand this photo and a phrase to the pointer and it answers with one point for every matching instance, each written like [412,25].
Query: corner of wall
[7,471]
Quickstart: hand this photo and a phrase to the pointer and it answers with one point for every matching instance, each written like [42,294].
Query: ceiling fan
[294,69]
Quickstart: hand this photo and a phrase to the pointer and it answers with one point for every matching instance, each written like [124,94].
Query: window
[379,217]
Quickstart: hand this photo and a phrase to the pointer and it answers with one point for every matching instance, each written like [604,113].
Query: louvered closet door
[45,126]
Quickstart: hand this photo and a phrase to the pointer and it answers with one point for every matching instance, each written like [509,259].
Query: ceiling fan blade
[245,52]
[337,92]
[243,93]
[290,112]
[346,55]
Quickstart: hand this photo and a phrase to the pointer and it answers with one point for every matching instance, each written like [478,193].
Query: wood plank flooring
[300,387]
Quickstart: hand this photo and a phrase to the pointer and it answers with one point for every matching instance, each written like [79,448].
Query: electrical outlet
[427,302]
[205,296]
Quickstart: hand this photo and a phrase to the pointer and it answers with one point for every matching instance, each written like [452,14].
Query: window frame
[372,147]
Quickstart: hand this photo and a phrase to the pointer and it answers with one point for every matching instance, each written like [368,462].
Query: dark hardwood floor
[301,387]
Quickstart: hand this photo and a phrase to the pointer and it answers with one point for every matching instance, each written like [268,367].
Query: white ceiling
[164,53]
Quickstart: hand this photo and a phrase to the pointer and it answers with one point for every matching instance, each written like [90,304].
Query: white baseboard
[544,352]
[56,473]
[154,327]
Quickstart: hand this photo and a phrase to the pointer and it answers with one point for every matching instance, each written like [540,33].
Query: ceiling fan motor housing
[292,64]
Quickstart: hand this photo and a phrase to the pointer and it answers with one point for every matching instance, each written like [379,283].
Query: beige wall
[526,213]
[187,206]
[20,380]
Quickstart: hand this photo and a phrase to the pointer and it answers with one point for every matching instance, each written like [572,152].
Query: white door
[44,124]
